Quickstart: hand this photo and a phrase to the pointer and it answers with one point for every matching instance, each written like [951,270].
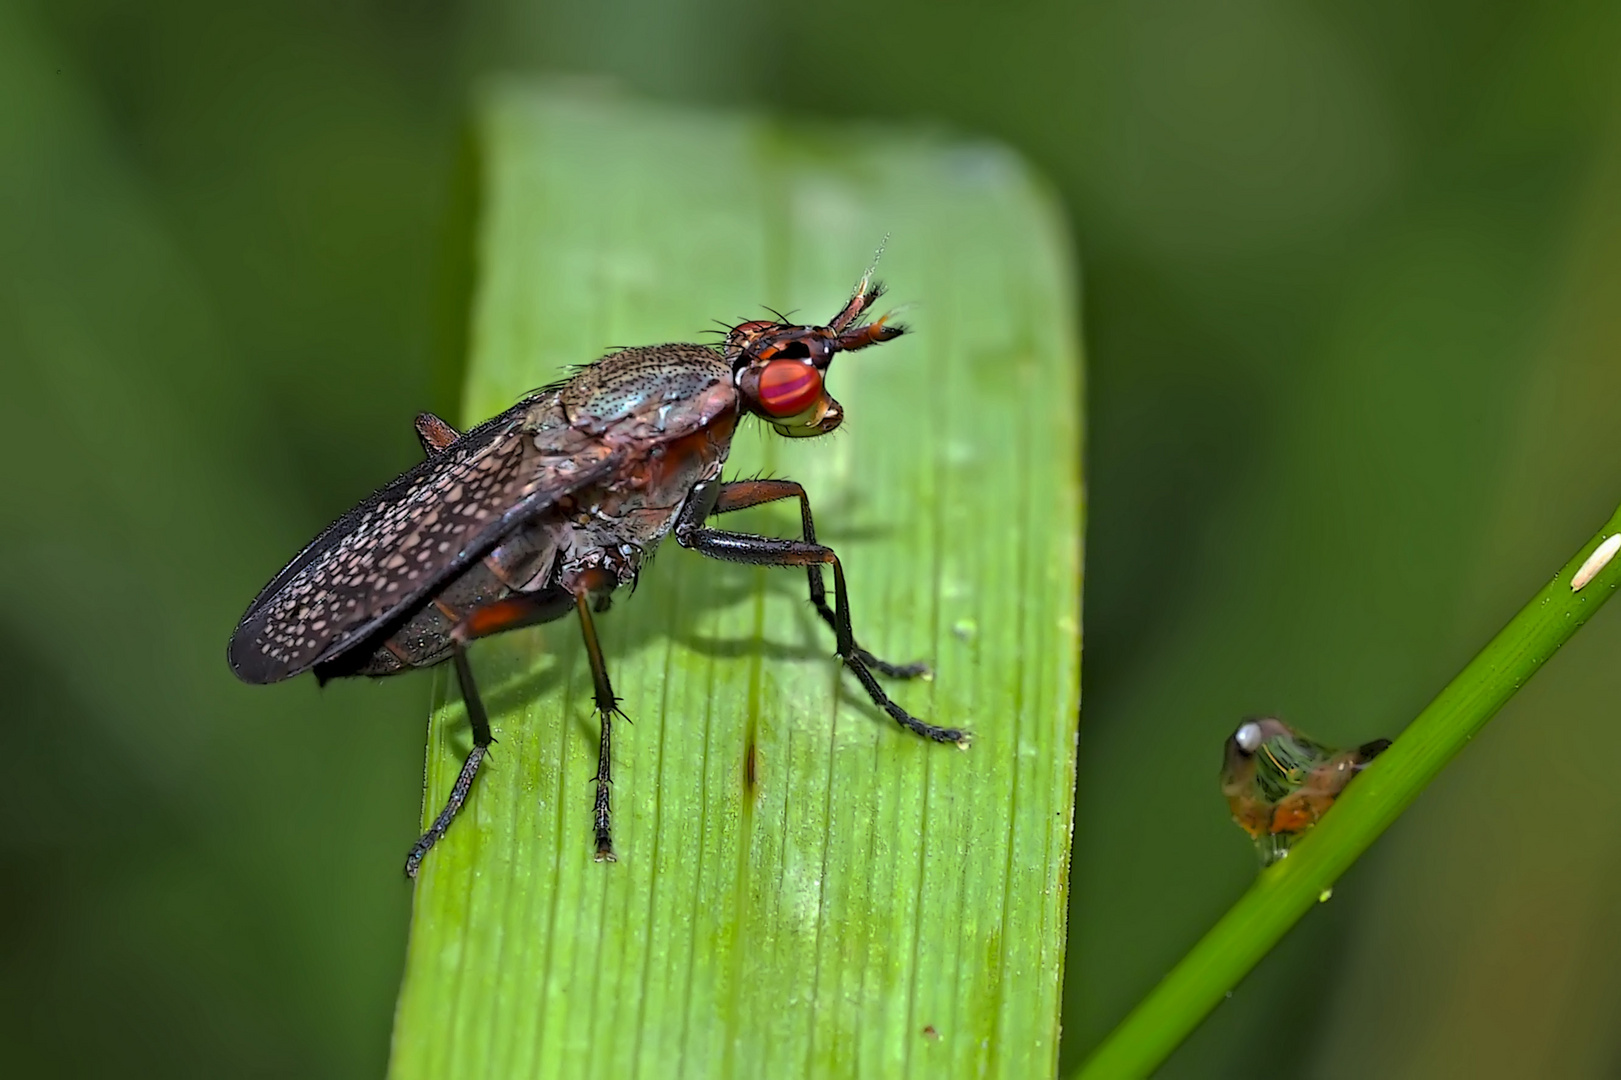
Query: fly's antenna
[866,279]
[867,292]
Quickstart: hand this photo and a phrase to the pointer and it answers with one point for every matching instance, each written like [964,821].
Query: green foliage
[1352,388]
[802,889]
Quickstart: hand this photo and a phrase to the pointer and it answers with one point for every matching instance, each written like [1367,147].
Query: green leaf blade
[871,904]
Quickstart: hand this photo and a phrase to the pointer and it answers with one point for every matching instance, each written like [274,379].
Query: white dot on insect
[1248,737]
[1595,562]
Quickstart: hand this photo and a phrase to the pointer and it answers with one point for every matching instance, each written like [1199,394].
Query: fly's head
[781,369]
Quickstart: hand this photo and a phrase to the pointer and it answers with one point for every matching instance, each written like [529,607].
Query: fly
[548,508]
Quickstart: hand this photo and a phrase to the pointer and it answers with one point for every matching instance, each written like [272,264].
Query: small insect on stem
[1278,782]
[547,509]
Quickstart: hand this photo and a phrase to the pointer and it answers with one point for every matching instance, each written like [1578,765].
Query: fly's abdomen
[520,562]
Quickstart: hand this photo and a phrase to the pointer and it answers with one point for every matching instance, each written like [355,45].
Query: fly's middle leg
[607,708]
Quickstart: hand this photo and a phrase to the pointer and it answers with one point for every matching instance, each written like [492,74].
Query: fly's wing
[411,535]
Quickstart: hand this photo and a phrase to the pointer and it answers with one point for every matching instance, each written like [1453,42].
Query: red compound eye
[788,387]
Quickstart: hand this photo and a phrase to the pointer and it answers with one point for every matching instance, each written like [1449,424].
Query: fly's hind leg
[742,494]
[769,551]
[464,780]
[520,609]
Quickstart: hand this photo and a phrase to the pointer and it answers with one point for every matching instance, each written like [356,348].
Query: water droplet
[965,629]
[1322,897]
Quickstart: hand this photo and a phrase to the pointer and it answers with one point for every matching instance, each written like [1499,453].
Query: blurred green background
[1350,295]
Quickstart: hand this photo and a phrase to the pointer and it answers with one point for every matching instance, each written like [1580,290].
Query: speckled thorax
[666,414]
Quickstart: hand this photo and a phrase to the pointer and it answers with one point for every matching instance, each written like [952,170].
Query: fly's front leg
[768,551]
[607,707]
[742,494]
[518,610]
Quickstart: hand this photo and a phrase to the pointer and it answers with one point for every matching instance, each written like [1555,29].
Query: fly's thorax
[661,386]
[616,525]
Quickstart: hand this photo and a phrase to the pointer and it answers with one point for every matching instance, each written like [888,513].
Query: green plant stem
[1286,891]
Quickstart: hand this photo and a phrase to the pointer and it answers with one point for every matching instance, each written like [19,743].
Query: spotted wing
[411,535]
